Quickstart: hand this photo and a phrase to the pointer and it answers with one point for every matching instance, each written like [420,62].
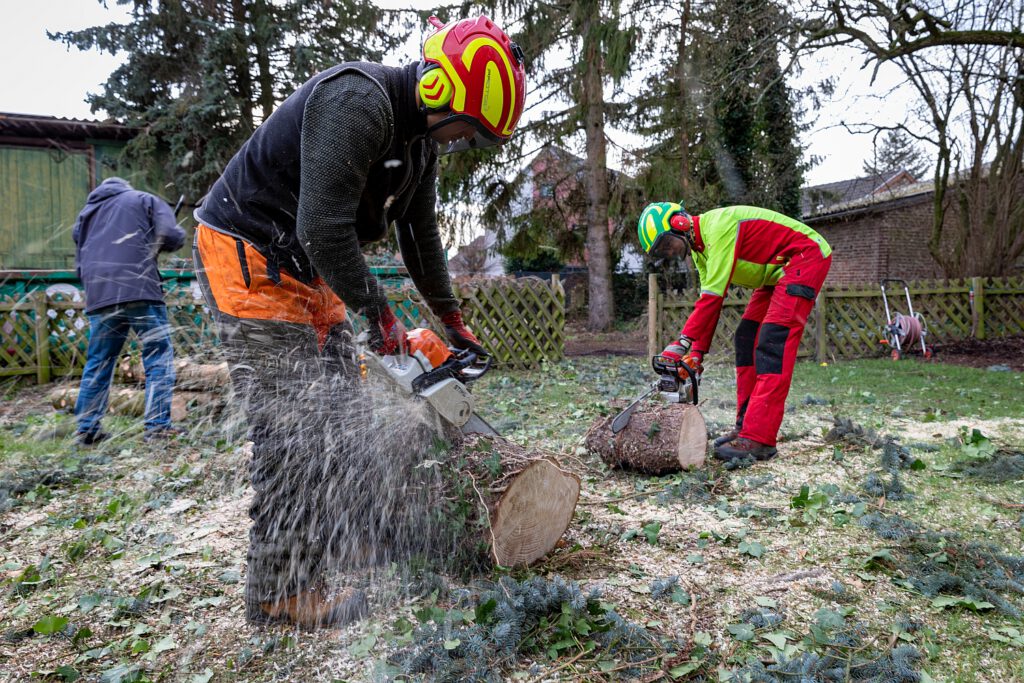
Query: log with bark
[189,375]
[132,402]
[660,438]
[521,501]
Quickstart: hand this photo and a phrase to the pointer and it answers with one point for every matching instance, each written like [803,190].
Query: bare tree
[965,61]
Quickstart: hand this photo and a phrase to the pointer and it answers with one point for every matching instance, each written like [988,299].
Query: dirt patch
[581,342]
[984,353]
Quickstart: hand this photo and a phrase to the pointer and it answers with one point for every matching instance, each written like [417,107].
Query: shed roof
[823,199]
[43,127]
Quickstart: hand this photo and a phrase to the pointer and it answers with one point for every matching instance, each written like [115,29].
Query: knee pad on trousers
[746,338]
[771,345]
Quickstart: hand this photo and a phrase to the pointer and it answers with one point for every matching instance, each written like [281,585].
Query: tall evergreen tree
[200,75]
[897,152]
[575,50]
[720,120]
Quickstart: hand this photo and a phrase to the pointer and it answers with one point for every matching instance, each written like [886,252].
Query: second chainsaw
[678,382]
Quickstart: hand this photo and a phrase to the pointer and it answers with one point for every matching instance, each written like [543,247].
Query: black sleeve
[346,126]
[422,251]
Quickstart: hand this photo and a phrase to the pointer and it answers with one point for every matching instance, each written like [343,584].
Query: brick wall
[875,243]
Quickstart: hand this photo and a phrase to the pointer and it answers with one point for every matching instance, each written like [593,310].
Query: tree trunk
[484,501]
[601,311]
[262,22]
[659,439]
[684,133]
[244,79]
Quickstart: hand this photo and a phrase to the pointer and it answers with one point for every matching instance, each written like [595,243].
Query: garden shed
[48,166]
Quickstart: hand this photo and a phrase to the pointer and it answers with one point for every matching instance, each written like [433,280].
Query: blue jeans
[109,329]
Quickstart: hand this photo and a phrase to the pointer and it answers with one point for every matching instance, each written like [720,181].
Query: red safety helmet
[472,69]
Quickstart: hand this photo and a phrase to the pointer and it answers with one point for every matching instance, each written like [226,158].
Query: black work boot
[727,437]
[92,438]
[743,448]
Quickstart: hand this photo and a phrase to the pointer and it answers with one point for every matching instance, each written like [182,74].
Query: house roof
[42,127]
[822,199]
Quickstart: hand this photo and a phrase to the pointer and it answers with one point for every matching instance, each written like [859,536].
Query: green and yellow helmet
[657,220]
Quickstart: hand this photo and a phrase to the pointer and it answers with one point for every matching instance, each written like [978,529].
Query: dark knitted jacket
[344,156]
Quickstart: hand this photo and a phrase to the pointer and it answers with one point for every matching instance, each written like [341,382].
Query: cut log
[527,499]
[132,402]
[189,375]
[660,438]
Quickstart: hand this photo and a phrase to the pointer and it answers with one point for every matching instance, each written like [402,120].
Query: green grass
[931,391]
[104,533]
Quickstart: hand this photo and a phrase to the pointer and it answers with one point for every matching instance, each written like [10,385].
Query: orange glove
[695,359]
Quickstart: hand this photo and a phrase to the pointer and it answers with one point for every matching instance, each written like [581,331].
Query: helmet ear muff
[435,88]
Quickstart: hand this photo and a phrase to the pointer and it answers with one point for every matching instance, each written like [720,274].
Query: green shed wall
[41,192]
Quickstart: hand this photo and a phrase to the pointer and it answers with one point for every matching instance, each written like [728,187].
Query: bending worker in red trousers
[785,262]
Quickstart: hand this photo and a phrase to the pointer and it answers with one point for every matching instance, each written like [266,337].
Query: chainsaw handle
[472,366]
[667,367]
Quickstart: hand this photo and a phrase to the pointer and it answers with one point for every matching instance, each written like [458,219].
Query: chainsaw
[670,386]
[433,372]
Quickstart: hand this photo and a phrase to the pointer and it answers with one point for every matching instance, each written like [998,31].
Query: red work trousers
[767,340]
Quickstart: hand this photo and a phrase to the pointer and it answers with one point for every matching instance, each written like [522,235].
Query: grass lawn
[126,562]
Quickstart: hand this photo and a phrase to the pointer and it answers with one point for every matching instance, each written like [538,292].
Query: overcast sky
[40,76]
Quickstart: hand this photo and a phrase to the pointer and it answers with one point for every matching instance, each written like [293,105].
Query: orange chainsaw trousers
[244,285]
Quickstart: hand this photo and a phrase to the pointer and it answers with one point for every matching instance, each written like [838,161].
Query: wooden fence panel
[18,338]
[1004,306]
[522,321]
[848,321]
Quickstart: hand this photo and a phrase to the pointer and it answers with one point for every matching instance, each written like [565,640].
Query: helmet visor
[460,132]
[669,244]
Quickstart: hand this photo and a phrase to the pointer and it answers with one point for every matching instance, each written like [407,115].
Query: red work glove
[387,335]
[459,335]
[677,349]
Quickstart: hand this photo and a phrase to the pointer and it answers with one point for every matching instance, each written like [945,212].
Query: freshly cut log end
[660,438]
[533,513]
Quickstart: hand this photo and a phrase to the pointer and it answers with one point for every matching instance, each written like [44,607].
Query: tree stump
[525,500]
[660,438]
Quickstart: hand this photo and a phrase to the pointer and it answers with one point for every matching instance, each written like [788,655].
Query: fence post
[42,328]
[821,323]
[978,286]
[653,320]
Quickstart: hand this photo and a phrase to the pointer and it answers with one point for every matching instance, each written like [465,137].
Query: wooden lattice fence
[847,321]
[521,321]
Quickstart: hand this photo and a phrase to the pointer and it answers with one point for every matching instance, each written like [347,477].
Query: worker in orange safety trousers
[278,252]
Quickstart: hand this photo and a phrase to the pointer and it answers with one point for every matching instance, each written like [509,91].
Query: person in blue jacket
[118,236]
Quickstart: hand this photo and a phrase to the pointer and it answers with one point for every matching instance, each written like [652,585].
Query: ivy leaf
[50,624]
[743,631]
[651,531]
[776,639]
[683,669]
[752,548]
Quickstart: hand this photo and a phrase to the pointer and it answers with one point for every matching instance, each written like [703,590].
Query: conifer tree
[200,75]
[897,152]
[571,105]
[720,120]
